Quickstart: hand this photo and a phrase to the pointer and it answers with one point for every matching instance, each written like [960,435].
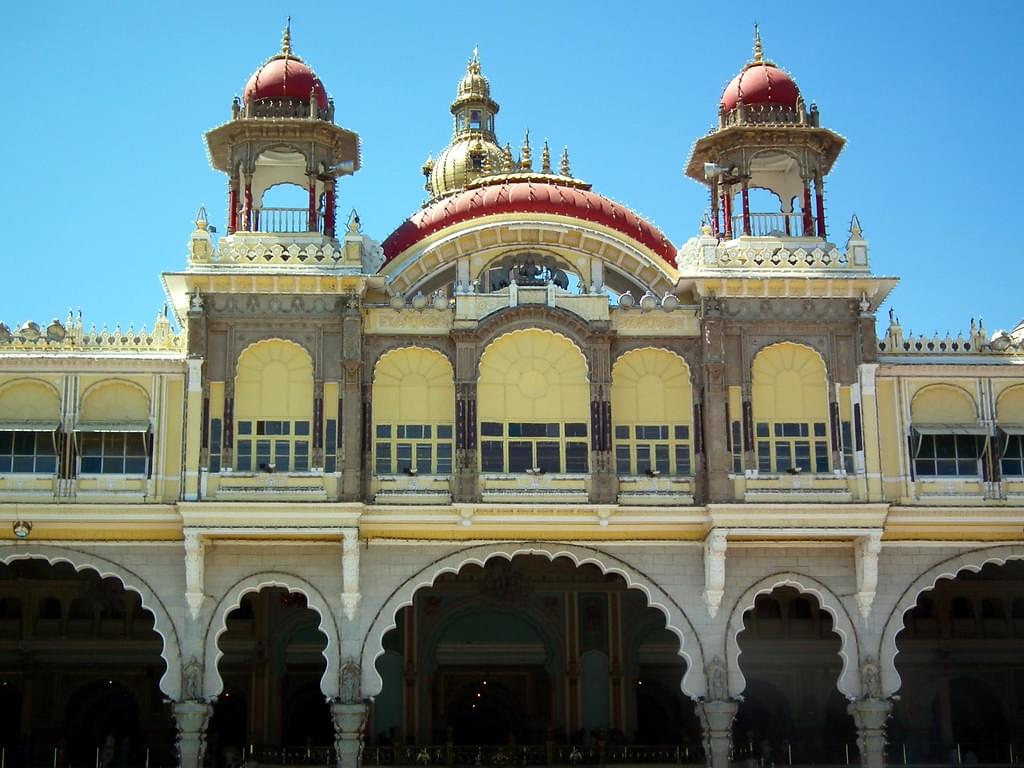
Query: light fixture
[22,528]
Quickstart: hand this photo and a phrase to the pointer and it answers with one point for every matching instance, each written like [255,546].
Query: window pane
[24,443]
[819,429]
[112,465]
[301,463]
[424,455]
[783,456]
[945,446]
[215,426]
[444,458]
[622,433]
[576,458]
[492,457]
[24,464]
[622,460]
[803,456]
[215,464]
[262,454]
[762,428]
[245,427]
[682,432]
[5,463]
[821,457]
[575,430]
[683,460]
[243,456]
[444,431]
[282,454]
[383,465]
[549,457]
[6,441]
[301,427]
[491,428]
[135,465]
[91,464]
[967,446]
[661,458]
[383,430]
[520,456]
[643,459]
[46,464]
[331,434]
[135,444]
[403,454]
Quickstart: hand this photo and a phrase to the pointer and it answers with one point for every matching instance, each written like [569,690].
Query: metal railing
[284,220]
[601,753]
[288,755]
[774,225]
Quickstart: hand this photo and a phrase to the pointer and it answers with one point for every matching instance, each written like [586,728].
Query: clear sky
[106,104]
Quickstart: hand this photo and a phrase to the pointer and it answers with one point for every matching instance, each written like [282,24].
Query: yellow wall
[116,400]
[533,375]
[413,386]
[651,386]
[1010,405]
[942,404]
[789,384]
[29,400]
[274,380]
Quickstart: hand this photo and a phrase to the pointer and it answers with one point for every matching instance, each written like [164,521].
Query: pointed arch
[676,620]
[213,684]
[170,651]
[842,624]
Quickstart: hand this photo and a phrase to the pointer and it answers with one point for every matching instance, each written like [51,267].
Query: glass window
[1012,461]
[653,449]
[790,446]
[948,455]
[27,452]
[425,449]
[281,446]
[113,453]
[549,447]
[331,445]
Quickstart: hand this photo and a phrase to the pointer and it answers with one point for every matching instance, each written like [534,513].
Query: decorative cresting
[170,650]
[330,683]
[849,683]
[973,561]
[274,380]
[676,621]
[533,375]
[413,385]
[71,336]
[976,342]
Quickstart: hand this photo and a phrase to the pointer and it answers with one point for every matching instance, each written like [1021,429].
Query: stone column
[603,479]
[718,460]
[352,417]
[870,715]
[466,479]
[716,719]
[191,717]
[349,720]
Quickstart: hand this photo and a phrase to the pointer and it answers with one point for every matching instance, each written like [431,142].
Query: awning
[112,426]
[950,429]
[1012,429]
[30,426]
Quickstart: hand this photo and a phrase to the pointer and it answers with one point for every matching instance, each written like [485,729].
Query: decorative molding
[866,551]
[194,572]
[715,546]
[350,594]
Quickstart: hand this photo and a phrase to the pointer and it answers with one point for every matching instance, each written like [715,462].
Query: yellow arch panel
[1010,406]
[651,386]
[789,383]
[943,404]
[274,381]
[29,400]
[533,375]
[413,386]
[114,401]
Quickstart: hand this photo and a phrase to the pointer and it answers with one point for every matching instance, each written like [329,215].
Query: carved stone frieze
[801,310]
[679,322]
[255,304]
[408,321]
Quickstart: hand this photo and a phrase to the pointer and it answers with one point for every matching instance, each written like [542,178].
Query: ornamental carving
[504,583]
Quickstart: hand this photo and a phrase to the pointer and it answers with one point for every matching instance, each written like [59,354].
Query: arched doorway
[272,665]
[80,665]
[791,712]
[530,654]
[961,662]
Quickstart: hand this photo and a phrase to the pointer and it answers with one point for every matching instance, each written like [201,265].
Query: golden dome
[473,87]
[466,158]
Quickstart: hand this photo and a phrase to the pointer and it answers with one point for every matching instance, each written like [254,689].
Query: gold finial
[526,155]
[507,165]
[473,65]
[286,38]
[758,51]
[545,159]
[564,169]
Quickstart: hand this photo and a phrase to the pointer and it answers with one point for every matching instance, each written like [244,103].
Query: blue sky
[106,105]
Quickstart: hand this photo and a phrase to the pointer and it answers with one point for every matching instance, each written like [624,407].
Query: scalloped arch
[1010,405]
[949,568]
[789,382]
[120,405]
[30,405]
[952,405]
[848,682]
[170,651]
[651,385]
[676,621]
[413,385]
[213,684]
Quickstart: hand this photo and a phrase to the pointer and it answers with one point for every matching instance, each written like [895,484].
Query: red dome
[526,197]
[285,77]
[761,83]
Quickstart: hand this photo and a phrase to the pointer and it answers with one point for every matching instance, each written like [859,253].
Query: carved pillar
[718,460]
[312,225]
[233,204]
[819,202]
[727,210]
[329,208]
[603,488]
[194,572]
[247,217]
[349,720]
[715,227]
[716,720]
[352,402]
[866,551]
[715,546]
[191,718]
[746,208]
[466,485]
[870,716]
[350,572]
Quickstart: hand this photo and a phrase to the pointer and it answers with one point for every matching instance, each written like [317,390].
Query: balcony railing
[774,225]
[284,220]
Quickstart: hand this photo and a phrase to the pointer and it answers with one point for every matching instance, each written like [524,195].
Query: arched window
[1010,417]
[29,419]
[413,413]
[790,403]
[113,433]
[946,440]
[533,399]
[652,413]
[273,407]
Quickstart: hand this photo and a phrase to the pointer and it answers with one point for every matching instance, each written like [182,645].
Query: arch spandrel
[29,400]
[676,620]
[170,651]
[1010,405]
[213,683]
[114,400]
[948,568]
[842,624]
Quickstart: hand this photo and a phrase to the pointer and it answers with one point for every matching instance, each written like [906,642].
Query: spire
[758,50]
[545,158]
[508,166]
[564,169]
[525,154]
[286,38]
